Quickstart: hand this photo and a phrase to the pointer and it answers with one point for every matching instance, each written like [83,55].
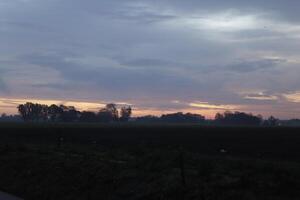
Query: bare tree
[126,112]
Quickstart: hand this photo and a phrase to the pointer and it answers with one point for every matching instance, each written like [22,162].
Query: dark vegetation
[140,161]
[33,112]
[10,118]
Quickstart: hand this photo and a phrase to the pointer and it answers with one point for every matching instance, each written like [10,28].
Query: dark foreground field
[149,162]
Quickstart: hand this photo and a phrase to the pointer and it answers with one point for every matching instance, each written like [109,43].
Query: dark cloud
[3,86]
[116,80]
[56,86]
[250,66]
[149,63]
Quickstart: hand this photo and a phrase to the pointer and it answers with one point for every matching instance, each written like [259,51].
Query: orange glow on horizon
[9,106]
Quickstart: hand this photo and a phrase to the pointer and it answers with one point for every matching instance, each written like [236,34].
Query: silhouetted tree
[271,121]
[24,111]
[104,116]
[237,119]
[109,113]
[33,112]
[10,118]
[125,113]
[112,108]
[148,119]
[70,114]
[87,116]
[219,117]
[55,113]
[43,112]
[182,118]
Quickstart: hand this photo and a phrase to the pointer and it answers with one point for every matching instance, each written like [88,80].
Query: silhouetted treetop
[54,113]
[182,118]
[125,113]
[237,118]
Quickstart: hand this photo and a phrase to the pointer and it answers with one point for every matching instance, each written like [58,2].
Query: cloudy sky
[157,55]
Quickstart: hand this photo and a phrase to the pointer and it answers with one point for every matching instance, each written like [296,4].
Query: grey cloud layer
[160,49]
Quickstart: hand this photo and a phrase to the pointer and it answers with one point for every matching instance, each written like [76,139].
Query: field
[92,161]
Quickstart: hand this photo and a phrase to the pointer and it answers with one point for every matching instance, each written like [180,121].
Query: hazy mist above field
[159,55]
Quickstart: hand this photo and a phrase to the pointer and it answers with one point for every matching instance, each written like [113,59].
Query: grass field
[92,161]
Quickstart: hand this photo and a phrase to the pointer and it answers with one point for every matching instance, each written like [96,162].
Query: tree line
[34,112]
[226,119]
[60,113]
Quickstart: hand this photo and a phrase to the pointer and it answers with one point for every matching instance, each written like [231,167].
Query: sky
[159,56]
